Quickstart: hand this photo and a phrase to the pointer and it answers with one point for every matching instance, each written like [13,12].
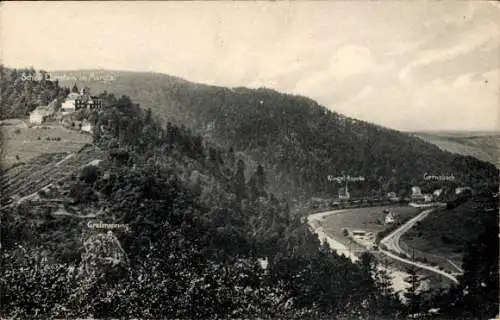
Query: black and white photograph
[206,160]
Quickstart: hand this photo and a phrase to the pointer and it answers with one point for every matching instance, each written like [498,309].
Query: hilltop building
[69,105]
[40,114]
[83,100]
[87,101]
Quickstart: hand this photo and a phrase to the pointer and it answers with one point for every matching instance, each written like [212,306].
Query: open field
[369,219]
[23,143]
[481,145]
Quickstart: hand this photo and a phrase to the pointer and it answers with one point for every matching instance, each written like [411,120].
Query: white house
[36,117]
[437,193]
[39,115]
[416,191]
[427,197]
[389,218]
[416,194]
[68,106]
[344,194]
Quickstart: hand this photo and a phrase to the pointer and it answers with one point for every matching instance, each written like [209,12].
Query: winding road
[391,243]
[392,240]
[315,223]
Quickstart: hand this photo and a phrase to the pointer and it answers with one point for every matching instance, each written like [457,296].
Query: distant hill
[298,141]
[481,145]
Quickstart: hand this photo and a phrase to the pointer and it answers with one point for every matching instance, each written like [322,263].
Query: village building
[389,218]
[437,193]
[69,105]
[344,193]
[416,194]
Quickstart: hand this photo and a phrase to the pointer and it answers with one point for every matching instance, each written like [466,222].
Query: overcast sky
[405,65]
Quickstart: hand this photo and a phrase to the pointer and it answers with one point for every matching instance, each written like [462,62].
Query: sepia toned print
[249,160]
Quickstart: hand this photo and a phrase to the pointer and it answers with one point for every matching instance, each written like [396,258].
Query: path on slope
[391,242]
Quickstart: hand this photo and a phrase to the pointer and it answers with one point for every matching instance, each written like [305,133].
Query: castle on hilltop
[82,100]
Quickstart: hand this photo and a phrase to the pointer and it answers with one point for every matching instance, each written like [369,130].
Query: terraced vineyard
[26,179]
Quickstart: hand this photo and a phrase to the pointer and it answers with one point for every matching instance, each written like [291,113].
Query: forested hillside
[298,141]
[22,90]
[203,236]
[196,229]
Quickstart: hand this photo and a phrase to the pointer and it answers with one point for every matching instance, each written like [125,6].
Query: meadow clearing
[368,219]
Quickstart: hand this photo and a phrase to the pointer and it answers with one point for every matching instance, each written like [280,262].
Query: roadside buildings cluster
[416,195]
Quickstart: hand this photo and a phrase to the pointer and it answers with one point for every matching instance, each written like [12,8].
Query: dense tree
[301,140]
[479,284]
[22,90]
[413,294]
[90,174]
[196,237]
[239,180]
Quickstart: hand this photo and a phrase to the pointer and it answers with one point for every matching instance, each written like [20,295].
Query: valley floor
[352,247]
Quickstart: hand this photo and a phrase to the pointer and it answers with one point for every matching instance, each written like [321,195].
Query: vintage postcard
[249,160]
